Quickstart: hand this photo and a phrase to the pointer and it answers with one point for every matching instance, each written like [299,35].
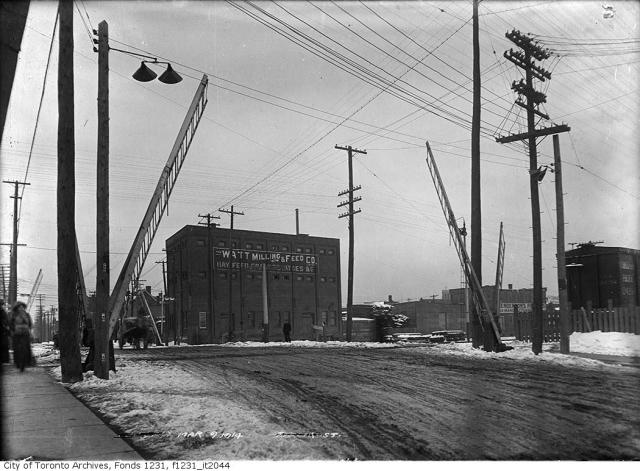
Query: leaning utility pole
[350,150]
[476,207]
[562,270]
[525,60]
[209,224]
[103,285]
[13,260]
[67,296]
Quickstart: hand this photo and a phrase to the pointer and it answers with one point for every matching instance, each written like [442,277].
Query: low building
[429,315]
[599,275]
[215,276]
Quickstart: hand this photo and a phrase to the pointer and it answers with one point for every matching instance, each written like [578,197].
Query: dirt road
[417,404]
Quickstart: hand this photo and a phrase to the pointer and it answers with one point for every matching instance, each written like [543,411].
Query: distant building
[215,278]
[597,275]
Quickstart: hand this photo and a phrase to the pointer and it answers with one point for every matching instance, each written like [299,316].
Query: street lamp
[103,344]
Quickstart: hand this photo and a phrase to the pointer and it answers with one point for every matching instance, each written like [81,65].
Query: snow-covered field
[179,413]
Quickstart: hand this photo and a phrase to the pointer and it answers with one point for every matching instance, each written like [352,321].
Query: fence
[612,319]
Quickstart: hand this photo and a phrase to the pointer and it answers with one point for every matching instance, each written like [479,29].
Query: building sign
[507,308]
[252,260]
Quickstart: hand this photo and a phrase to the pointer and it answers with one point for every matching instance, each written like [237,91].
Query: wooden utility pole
[41,317]
[476,206]
[232,213]
[265,305]
[103,285]
[525,60]
[350,213]
[562,269]
[13,260]
[70,361]
[208,217]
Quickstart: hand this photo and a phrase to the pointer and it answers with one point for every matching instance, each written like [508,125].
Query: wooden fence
[612,319]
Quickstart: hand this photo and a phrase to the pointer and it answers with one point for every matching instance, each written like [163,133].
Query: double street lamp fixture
[145,74]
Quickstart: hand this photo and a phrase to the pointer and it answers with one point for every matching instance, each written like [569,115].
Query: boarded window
[202,320]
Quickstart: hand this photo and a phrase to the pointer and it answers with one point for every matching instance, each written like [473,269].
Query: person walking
[286,330]
[5,333]
[21,325]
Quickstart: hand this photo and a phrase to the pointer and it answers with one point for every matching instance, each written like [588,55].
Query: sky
[398,74]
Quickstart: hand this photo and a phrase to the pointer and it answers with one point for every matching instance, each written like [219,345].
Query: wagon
[135,331]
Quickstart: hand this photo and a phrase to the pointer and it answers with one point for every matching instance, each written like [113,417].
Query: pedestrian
[286,330]
[5,333]
[21,325]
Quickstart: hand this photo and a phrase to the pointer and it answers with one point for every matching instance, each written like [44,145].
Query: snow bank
[605,343]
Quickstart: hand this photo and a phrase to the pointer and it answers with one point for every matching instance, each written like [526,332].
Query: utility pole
[164,275]
[103,285]
[232,316]
[476,206]
[562,269]
[13,261]
[525,60]
[350,150]
[66,188]
[209,224]
[232,213]
[297,222]
[41,317]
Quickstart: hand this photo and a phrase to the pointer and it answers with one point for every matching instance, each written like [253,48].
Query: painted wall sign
[252,260]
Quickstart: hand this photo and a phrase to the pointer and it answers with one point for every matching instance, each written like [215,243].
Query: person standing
[5,333]
[21,325]
[286,330]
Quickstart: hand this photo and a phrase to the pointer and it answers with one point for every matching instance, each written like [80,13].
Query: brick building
[215,278]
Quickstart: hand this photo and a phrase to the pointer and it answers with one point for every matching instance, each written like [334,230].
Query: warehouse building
[598,276]
[215,277]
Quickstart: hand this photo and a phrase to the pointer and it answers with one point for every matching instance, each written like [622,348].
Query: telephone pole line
[13,260]
[477,335]
[524,59]
[103,282]
[208,217]
[350,213]
[41,329]
[70,360]
[232,213]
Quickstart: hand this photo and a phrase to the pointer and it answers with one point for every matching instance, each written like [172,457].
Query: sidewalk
[44,421]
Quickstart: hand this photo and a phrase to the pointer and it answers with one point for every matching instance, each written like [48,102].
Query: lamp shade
[144,73]
[170,76]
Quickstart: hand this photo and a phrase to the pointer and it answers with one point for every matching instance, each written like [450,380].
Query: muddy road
[420,404]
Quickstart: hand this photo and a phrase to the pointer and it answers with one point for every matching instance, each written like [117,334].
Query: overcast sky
[276,111]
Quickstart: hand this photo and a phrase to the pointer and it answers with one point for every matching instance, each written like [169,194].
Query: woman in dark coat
[21,325]
[5,333]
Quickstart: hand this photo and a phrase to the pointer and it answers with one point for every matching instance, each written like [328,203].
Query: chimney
[148,289]
[390,299]
[510,286]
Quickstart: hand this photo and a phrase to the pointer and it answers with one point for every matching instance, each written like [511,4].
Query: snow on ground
[606,343]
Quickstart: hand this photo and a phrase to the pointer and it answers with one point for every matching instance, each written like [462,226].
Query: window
[202,320]
[322,251]
[299,249]
[274,248]
[307,250]
[285,277]
[251,319]
[222,243]
[330,252]
[309,278]
[250,276]
[299,277]
[285,316]
[277,315]
[222,276]
[324,317]
[202,274]
[285,248]
[200,243]
[234,276]
[332,318]
[248,245]
[276,276]
[259,246]
[323,279]
[332,279]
